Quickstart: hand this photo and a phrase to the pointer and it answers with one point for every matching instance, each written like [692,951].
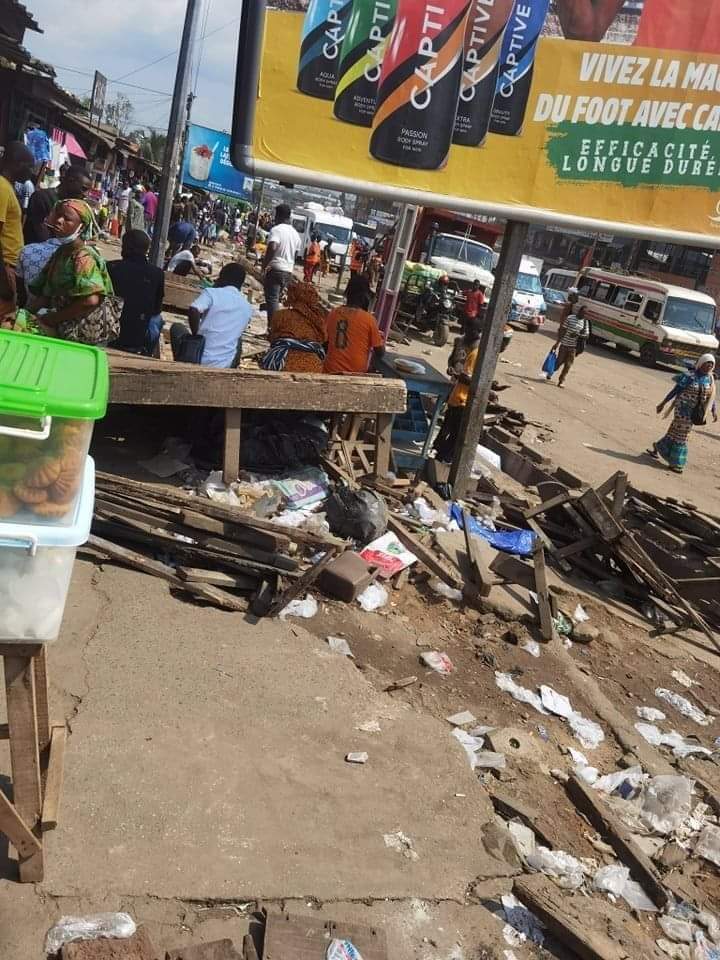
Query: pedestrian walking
[474,301]
[312,259]
[570,343]
[461,366]
[693,400]
[283,246]
[136,212]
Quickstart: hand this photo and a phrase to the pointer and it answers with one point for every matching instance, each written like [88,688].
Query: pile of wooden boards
[210,550]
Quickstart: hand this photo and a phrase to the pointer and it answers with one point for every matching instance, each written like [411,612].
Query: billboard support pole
[392,282]
[473,420]
[176,127]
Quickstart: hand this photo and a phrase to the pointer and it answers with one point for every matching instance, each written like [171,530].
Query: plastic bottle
[322,38]
[486,26]
[517,62]
[369,27]
[420,84]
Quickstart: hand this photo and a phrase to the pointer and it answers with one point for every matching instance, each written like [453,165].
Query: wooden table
[36,755]
[148,382]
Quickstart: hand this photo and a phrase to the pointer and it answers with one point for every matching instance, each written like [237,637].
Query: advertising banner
[597,111]
[207,164]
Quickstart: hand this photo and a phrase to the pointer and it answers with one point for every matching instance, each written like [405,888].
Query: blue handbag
[550,365]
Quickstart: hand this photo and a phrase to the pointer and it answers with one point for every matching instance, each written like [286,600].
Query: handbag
[699,411]
[99,327]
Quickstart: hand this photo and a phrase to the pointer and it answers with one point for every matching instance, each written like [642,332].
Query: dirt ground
[205,771]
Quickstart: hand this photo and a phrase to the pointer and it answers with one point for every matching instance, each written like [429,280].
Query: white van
[660,321]
[528,303]
[331,224]
[562,280]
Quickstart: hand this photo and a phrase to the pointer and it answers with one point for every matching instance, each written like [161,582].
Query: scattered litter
[589,733]
[614,782]
[521,921]
[340,645]
[306,608]
[98,926]
[563,624]
[531,646]
[505,682]
[439,662]
[306,519]
[523,837]
[388,555]
[450,593]
[402,844]
[665,803]
[676,951]
[681,931]
[555,702]
[650,714]
[373,597]
[681,747]
[360,757]
[708,845]
[480,731]
[589,774]
[342,950]
[683,679]
[635,897]
[564,869]
[543,732]
[470,745]
[461,719]
[304,488]
[580,615]
[578,757]
[683,706]
[611,879]
[370,726]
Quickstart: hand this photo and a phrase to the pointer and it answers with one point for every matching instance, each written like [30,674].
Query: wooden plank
[550,504]
[290,937]
[383,444]
[480,572]
[610,484]
[547,627]
[156,569]
[216,578]
[302,584]
[4,731]
[24,754]
[424,554]
[569,920]
[54,779]
[619,495]
[619,837]
[143,381]
[578,547]
[604,521]
[41,699]
[208,507]
[16,830]
[234,531]
[231,451]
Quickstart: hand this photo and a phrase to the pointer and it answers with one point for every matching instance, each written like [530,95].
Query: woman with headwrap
[693,400]
[298,332]
[74,284]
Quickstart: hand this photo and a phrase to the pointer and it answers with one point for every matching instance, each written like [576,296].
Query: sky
[121,37]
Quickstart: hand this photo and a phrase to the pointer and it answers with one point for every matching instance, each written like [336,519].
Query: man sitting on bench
[218,319]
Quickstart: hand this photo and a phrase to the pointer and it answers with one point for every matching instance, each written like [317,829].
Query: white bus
[562,280]
[661,322]
[330,224]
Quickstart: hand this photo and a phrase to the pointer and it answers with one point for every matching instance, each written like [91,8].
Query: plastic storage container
[51,393]
[36,563]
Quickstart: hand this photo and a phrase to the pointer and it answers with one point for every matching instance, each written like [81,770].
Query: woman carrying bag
[693,401]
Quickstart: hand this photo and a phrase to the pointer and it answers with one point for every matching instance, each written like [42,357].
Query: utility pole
[176,128]
[473,422]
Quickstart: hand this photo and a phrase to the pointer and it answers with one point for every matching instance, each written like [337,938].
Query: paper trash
[388,555]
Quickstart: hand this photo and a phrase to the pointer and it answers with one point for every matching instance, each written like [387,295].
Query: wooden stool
[36,753]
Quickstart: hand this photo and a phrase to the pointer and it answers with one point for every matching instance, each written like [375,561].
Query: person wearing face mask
[74,285]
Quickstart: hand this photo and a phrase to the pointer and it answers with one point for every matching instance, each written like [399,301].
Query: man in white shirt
[219,316]
[186,262]
[123,202]
[279,261]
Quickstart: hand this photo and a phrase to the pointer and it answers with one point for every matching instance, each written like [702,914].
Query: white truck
[330,224]
[462,259]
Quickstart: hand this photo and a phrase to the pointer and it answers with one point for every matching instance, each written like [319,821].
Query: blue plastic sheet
[519,542]
[550,365]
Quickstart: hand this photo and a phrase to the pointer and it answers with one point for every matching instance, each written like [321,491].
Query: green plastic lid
[42,377]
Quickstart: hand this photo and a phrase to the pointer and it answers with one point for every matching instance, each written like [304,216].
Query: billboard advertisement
[604,113]
[207,164]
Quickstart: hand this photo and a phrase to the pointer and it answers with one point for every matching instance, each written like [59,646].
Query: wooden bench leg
[383,444]
[24,755]
[41,699]
[231,461]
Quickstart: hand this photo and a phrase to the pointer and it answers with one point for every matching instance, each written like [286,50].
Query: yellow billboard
[479,106]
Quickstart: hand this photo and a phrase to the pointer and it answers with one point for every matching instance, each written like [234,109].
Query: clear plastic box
[36,563]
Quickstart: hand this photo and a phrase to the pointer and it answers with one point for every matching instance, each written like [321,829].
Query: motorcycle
[435,312]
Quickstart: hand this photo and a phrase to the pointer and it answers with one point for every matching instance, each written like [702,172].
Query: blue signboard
[207,164]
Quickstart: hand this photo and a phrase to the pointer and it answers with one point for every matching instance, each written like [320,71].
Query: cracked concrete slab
[207,762]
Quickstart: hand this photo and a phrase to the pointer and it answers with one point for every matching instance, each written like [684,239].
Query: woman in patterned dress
[298,332]
[693,399]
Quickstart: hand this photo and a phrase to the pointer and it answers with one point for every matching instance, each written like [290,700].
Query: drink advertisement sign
[600,113]
[207,164]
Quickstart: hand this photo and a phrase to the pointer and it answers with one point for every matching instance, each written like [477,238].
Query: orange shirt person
[689,25]
[312,260]
[353,332]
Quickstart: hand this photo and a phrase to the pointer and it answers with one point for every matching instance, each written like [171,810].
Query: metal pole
[259,209]
[176,128]
[473,421]
[389,295]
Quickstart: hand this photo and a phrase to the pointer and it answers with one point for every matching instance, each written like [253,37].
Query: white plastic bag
[665,803]
[555,702]
[373,597]
[97,926]
[305,608]
[683,706]
[565,870]
[443,590]
[522,920]
[439,662]
[650,714]
[708,845]
[611,879]
[341,646]
[521,694]
[589,733]
[609,783]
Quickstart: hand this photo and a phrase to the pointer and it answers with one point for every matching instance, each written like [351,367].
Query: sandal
[676,469]
[652,452]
